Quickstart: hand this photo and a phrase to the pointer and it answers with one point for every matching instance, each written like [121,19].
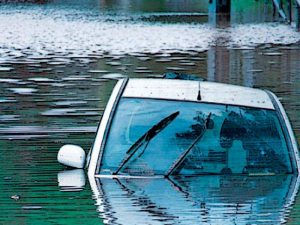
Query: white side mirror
[72,156]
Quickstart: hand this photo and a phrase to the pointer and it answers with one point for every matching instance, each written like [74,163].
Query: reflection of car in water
[217,199]
[180,128]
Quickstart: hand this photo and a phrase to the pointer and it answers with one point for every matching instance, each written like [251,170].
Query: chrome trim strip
[288,131]
[105,121]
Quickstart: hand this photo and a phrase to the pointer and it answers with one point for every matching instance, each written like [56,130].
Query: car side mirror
[72,156]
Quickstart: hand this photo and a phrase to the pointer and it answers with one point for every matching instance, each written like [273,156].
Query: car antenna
[199,93]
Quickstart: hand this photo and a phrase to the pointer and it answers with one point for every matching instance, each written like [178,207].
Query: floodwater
[53,57]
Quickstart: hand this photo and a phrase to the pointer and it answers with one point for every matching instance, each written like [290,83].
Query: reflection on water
[67,106]
[53,61]
[71,180]
[195,200]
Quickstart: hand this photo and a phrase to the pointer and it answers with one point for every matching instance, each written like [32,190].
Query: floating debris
[15,197]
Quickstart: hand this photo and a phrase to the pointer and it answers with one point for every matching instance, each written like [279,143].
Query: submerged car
[167,127]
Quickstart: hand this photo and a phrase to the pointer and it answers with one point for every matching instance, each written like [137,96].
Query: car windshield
[216,138]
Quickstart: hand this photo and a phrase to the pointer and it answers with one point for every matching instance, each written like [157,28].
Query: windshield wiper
[182,157]
[146,138]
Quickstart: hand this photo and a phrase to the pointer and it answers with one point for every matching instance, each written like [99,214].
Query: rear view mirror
[72,156]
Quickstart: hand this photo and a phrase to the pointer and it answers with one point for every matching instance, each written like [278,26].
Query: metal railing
[278,5]
[287,17]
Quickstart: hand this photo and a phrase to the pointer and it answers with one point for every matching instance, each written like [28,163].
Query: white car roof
[187,90]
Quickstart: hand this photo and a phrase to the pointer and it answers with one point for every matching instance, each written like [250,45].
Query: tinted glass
[221,138]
